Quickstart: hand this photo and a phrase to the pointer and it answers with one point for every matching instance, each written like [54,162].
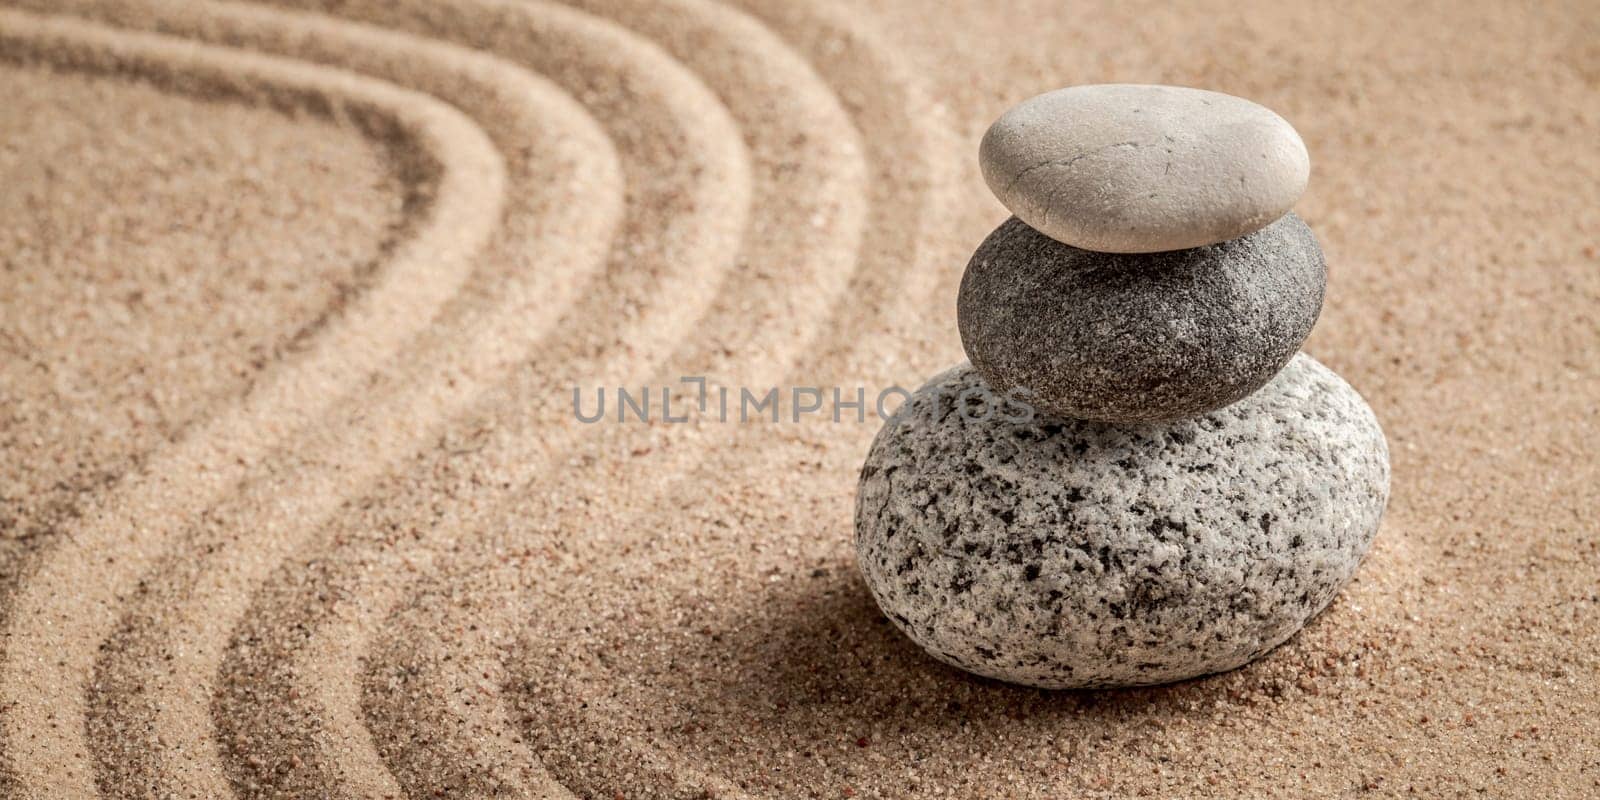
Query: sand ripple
[211,660]
[67,608]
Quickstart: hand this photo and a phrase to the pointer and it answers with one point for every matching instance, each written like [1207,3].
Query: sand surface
[294,296]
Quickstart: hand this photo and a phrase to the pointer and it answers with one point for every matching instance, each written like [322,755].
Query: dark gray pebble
[1138,337]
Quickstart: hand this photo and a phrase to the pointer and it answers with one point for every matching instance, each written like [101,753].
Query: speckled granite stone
[1129,168]
[1138,338]
[1060,554]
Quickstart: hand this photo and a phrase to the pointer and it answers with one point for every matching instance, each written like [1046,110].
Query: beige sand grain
[294,504]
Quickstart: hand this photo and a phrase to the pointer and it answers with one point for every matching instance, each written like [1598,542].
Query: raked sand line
[153,716]
[334,647]
[550,47]
[913,147]
[66,609]
[803,213]
[917,157]
[686,214]
[484,616]
[723,148]
[327,667]
[195,676]
[335,684]
[796,266]
[458,708]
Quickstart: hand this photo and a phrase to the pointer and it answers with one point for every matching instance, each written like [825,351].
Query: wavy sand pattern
[294,503]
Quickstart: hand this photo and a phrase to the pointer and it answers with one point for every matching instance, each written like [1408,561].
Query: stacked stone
[1138,479]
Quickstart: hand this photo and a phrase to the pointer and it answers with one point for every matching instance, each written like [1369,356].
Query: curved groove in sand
[822,258]
[68,607]
[789,310]
[700,243]
[917,152]
[470,663]
[211,607]
[798,265]
[823,264]
[194,606]
[686,254]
